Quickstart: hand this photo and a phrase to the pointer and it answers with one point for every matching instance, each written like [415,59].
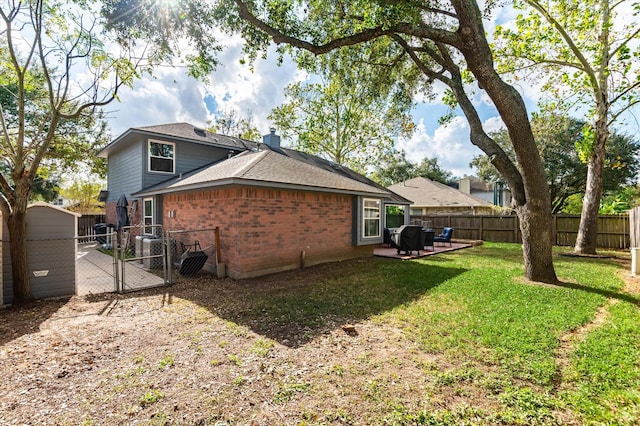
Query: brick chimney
[271,139]
[465,185]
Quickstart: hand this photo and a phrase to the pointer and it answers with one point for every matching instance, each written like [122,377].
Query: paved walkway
[96,271]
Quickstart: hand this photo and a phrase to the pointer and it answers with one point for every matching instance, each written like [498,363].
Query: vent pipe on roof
[271,139]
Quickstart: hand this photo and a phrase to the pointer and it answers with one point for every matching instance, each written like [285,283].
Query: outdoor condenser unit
[152,247]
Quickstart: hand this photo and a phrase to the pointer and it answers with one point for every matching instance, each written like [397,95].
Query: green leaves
[584,146]
[350,116]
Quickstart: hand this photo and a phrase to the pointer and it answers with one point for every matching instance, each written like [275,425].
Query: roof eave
[250,182]
[104,152]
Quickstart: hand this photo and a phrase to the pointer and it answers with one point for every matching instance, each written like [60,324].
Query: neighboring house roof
[477,184]
[264,168]
[427,193]
[181,131]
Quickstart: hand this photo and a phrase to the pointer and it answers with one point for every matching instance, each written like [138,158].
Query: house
[495,192]
[276,208]
[435,198]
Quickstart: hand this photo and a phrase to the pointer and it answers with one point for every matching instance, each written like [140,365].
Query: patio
[385,251]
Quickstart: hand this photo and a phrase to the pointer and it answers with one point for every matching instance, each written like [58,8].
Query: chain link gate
[96,264]
[142,259]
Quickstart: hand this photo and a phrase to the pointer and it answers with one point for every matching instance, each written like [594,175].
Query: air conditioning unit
[152,253]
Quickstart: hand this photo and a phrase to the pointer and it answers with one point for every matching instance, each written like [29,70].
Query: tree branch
[351,40]
[478,136]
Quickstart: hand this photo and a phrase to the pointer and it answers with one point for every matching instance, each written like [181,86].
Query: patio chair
[408,238]
[444,237]
[386,237]
[429,235]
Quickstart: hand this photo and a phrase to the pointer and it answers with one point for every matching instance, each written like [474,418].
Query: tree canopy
[394,167]
[415,43]
[231,122]
[586,56]
[558,138]
[340,117]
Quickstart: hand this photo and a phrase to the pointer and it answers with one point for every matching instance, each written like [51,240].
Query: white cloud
[450,144]
[172,96]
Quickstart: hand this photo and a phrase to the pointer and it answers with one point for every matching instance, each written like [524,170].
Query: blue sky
[172,96]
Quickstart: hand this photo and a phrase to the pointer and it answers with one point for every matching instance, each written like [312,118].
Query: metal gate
[142,260]
[96,264]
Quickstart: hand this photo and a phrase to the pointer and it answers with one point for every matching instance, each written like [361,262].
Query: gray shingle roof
[265,167]
[182,131]
[427,193]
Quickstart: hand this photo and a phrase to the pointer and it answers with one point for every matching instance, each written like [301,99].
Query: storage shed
[51,252]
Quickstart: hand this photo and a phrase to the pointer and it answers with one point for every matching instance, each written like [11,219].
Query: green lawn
[459,338]
[475,307]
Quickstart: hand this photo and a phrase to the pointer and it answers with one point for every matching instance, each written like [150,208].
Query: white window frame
[377,216]
[149,156]
[148,227]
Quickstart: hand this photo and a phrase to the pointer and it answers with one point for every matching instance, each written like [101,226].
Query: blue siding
[188,157]
[125,169]
[128,166]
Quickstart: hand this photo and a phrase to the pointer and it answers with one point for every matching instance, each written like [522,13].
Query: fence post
[169,261]
[220,268]
[115,251]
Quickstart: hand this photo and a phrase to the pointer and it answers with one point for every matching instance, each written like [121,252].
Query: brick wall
[265,230]
[110,213]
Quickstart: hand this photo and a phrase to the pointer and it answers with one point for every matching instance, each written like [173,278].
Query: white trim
[149,156]
[379,203]
[144,216]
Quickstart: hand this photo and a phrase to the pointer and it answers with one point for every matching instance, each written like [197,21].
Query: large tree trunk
[536,242]
[587,239]
[534,205]
[17,226]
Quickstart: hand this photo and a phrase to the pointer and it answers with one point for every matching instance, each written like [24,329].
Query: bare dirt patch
[199,353]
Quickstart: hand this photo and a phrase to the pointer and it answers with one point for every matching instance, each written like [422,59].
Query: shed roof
[51,206]
[265,168]
[427,193]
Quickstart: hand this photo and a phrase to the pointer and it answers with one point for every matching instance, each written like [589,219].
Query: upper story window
[162,157]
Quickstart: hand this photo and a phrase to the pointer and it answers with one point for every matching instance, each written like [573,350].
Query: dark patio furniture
[429,235]
[387,236]
[408,238]
[444,237]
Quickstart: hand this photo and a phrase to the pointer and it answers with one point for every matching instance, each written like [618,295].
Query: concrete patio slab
[391,252]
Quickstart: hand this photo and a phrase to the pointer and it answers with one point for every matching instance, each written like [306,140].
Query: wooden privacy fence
[86,223]
[613,230]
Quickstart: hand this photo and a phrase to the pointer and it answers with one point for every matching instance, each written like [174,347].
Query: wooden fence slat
[614,231]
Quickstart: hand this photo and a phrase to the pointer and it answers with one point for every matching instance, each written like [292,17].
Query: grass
[455,339]
[475,306]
